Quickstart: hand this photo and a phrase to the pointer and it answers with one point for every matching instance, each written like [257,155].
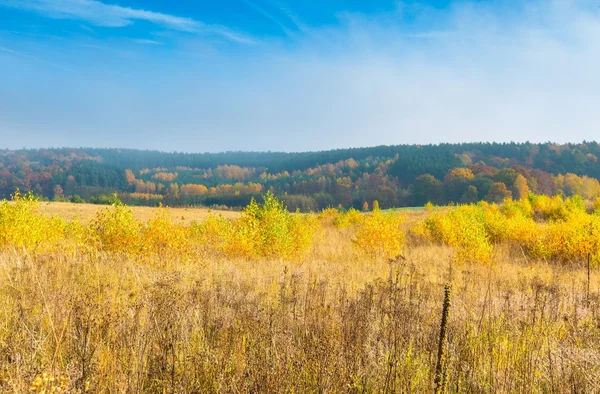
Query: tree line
[395,176]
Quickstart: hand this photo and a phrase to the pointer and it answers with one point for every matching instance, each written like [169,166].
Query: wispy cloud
[285,10]
[108,15]
[146,41]
[268,16]
[280,15]
[36,59]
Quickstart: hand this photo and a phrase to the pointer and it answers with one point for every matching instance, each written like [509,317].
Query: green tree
[427,189]
[470,196]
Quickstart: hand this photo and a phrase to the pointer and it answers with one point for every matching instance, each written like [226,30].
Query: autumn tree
[130,177]
[375,206]
[194,190]
[456,182]
[520,189]
[165,176]
[59,194]
[590,188]
[173,191]
[498,192]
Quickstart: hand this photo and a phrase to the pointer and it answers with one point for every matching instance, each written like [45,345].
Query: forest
[395,176]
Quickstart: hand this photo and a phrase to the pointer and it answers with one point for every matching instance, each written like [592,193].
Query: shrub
[463,228]
[264,230]
[379,235]
[350,218]
[76,199]
[273,231]
[163,237]
[569,240]
[114,229]
[547,208]
[215,235]
[22,227]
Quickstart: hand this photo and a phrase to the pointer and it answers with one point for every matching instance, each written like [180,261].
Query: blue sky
[296,75]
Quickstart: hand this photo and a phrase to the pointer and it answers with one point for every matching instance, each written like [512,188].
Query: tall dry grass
[334,319]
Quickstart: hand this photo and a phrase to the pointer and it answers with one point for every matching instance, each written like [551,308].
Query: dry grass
[343,325]
[330,322]
[86,212]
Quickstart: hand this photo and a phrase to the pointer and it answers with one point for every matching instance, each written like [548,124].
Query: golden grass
[120,325]
[85,212]
[331,320]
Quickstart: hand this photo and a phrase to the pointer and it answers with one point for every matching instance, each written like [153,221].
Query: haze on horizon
[286,75]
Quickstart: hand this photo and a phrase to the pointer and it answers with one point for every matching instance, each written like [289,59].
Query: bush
[264,230]
[379,235]
[350,218]
[22,227]
[273,231]
[76,199]
[114,229]
[463,228]
[162,237]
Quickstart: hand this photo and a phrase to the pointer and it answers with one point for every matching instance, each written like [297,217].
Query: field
[86,212]
[266,301]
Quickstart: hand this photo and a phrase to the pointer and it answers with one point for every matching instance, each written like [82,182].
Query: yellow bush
[114,229]
[22,227]
[215,235]
[328,216]
[509,223]
[163,237]
[47,383]
[379,235]
[521,207]
[543,227]
[464,229]
[548,208]
[264,230]
[350,218]
[275,232]
[76,238]
[569,240]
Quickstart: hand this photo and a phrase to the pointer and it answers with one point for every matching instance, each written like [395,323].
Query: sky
[296,75]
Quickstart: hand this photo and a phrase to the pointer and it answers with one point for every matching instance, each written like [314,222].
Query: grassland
[86,212]
[331,320]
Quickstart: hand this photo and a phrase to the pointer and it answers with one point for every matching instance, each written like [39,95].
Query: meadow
[86,212]
[269,301]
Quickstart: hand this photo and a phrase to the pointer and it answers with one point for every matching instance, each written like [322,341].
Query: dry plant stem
[440,369]
[588,279]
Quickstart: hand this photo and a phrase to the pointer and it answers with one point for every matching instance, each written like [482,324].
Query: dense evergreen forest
[395,176]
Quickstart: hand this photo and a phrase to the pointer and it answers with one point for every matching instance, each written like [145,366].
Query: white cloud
[487,72]
[107,15]
[146,41]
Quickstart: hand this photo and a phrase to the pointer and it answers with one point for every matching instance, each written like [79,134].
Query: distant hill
[401,175]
